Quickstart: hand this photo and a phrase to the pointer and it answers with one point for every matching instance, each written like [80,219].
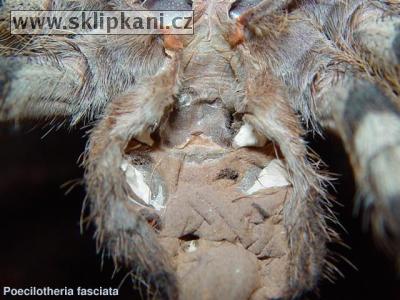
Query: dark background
[41,243]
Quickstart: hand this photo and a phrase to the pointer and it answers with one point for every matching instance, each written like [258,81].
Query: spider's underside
[198,176]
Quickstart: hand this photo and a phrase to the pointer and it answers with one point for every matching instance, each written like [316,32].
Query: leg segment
[368,122]
[267,110]
[377,34]
[35,90]
[121,228]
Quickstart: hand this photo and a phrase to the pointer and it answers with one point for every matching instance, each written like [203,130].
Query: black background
[41,243]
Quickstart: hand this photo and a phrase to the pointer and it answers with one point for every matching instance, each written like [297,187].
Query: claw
[145,138]
[248,137]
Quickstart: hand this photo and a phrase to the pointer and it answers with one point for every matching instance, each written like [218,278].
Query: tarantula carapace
[199,178]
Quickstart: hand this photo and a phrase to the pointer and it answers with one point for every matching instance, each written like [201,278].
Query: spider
[198,174]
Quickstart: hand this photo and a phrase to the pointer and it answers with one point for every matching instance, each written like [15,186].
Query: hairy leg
[41,76]
[122,230]
[268,111]
[368,122]
[359,100]
[377,34]
[39,90]
[47,76]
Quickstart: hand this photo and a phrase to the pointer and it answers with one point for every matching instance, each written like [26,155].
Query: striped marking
[363,99]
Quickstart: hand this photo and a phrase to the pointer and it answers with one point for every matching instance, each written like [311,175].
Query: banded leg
[30,89]
[43,76]
[368,122]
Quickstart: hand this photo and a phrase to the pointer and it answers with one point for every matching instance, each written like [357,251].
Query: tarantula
[198,174]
